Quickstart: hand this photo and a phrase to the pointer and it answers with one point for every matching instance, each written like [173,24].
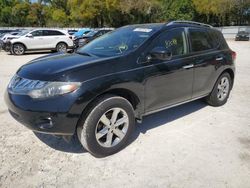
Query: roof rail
[188,22]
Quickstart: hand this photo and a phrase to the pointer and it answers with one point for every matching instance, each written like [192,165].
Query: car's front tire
[18,49]
[221,91]
[107,127]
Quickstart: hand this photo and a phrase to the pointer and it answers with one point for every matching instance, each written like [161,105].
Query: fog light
[45,123]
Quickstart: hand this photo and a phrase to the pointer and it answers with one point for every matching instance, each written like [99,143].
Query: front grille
[19,85]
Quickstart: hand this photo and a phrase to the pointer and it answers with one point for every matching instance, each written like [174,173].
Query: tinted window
[55,33]
[200,40]
[37,33]
[173,40]
[218,39]
[51,33]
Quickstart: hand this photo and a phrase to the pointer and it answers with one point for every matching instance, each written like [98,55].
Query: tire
[61,47]
[18,49]
[221,91]
[96,132]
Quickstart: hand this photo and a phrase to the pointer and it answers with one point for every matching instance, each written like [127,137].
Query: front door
[169,82]
[36,41]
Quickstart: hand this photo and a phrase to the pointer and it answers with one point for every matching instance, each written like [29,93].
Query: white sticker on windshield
[145,30]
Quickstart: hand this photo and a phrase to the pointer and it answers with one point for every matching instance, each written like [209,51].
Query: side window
[200,40]
[55,33]
[173,40]
[37,33]
[218,39]
[46,33]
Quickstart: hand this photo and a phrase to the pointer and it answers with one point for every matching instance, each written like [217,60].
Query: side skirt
[171,106]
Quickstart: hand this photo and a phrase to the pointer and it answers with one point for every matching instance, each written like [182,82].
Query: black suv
[242,36]
[99,91]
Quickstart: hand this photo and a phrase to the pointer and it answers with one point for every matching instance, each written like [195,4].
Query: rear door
[53,38]
[206,58]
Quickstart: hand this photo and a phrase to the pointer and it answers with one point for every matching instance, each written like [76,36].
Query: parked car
[81,41]
[242,36]
[4,31]
[6,38]
[81,32]
[9,36]
[99,91]
[42,39]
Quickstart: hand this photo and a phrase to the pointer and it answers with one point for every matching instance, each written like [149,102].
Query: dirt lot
[193,145]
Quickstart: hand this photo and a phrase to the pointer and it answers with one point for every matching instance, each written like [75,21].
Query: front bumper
[6,46]
[242,38]
[48,116]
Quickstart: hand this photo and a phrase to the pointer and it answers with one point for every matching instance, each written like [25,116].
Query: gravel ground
[193,145]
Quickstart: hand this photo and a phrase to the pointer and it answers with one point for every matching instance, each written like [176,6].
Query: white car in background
[42,39]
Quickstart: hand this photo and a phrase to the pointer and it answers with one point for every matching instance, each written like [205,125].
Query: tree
[36,16]
[19,13]
[177,10]
[59,17]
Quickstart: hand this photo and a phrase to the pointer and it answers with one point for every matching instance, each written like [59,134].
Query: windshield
[24,32]
[118,42]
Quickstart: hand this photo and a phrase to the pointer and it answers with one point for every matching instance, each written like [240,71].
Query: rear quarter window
[200,40]
[55,33]
[218,39]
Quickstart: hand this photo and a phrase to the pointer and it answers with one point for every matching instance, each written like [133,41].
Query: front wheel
[107,127]
[18,49]
[221,91]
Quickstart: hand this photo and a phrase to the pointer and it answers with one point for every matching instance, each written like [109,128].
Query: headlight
[54,89]
[40,89]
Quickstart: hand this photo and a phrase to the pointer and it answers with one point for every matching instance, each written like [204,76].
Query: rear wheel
[61,47]
[221,91]
[18,49]
[107,127]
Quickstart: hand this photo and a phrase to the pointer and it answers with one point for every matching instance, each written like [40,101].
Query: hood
[54,67]
[9,36]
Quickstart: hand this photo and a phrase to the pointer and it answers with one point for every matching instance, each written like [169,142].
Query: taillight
[233,55]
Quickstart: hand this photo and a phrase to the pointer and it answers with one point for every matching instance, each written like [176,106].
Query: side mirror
[160,53]
[29,35]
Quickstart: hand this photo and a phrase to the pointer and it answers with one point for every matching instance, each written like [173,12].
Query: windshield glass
[24,32]
[118,42]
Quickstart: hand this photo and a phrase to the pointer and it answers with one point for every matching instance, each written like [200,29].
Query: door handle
[219,58]
[188,66]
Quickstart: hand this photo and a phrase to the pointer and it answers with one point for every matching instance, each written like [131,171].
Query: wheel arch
[63,43]
[19,43]
[122,92]
[231,73]
[129,95]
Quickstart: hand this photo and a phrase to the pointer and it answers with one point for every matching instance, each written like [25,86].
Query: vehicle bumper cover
[53,121]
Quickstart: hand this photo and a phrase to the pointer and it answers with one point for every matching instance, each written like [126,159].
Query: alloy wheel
[223,88]
[18,50]
[112,127]
[61,47]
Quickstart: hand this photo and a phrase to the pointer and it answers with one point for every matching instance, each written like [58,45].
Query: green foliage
[115,13]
